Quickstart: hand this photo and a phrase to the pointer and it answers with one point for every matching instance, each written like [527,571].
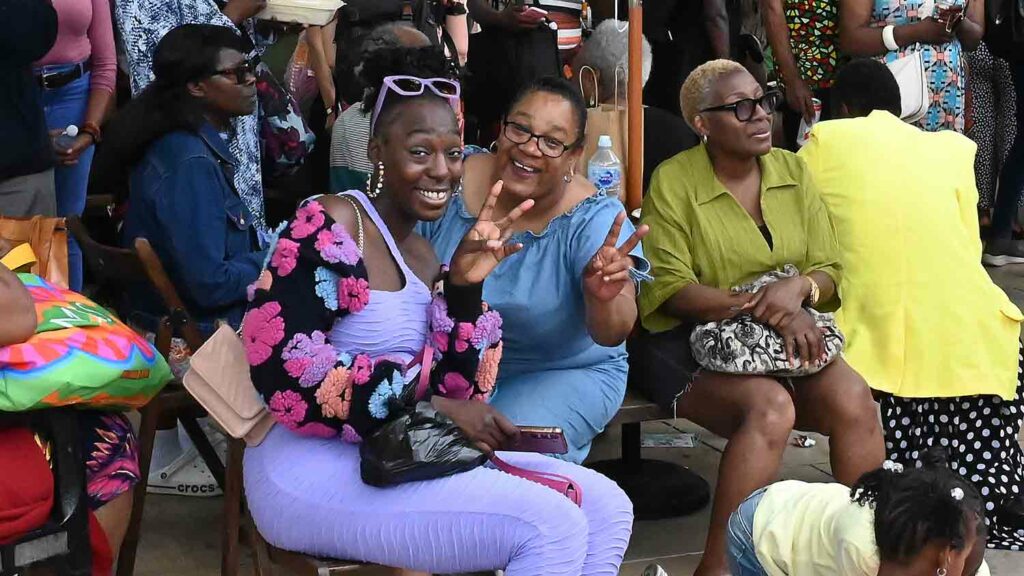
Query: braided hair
[925,504]
[425,62]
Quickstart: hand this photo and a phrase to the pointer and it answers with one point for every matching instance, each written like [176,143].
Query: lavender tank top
[394,324]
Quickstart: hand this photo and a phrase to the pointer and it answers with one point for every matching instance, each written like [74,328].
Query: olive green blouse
[701,234]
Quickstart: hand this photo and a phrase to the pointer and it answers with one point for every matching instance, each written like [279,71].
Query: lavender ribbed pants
[306,495]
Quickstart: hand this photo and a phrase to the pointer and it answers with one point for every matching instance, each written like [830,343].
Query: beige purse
[219,380]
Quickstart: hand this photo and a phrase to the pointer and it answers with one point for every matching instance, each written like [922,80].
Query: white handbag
[910,75]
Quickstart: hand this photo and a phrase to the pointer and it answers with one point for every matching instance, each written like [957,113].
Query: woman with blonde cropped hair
[720,215]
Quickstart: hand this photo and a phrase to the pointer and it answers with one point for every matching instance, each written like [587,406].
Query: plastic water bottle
[604,169]
[66,139]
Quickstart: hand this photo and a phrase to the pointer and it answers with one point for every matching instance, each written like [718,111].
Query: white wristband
[889,38]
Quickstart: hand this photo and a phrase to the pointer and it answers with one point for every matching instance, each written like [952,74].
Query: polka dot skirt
[980,435]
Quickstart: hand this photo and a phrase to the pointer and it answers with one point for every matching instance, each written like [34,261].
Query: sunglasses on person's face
[744,109]
[240,73]
[413,86]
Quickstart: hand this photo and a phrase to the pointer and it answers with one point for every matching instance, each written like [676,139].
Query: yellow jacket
[921,316]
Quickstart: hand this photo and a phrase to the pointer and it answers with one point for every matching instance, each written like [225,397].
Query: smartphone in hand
[539,439]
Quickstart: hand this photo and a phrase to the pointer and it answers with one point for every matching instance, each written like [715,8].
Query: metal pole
[635,110]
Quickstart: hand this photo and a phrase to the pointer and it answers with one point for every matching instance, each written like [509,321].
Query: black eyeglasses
[240,73]
[548,146]
[744,109]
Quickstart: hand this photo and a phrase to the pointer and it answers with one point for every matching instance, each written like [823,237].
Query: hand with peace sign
[486,243]
[608,271]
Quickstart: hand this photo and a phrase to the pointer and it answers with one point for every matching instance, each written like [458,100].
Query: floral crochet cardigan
[315,276]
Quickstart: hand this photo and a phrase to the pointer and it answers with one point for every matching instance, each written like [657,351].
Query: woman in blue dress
[566,315]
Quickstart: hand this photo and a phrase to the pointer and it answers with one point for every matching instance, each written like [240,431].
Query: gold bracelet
[815,294]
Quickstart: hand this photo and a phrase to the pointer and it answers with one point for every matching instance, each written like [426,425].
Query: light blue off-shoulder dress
[552,372]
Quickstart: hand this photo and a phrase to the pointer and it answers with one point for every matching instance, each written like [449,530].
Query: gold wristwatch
[815,294]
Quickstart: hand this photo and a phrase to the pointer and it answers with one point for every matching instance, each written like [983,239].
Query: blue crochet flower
[386,390]
[379,401]
[397,383]
[344,358]
[327,287]
[271,239]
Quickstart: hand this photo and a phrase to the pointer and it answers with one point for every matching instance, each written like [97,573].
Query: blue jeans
[64,106]
[742,556]
[1011,179]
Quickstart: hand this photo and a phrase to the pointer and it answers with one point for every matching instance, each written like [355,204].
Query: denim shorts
[742,555]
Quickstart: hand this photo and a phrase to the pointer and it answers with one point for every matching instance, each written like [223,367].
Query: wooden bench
[658,489]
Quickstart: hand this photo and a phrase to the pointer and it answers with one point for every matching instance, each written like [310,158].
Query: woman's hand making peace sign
[608,271]
[486,243]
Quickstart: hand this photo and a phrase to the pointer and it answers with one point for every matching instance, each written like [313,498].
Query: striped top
[350,135]
[566,14]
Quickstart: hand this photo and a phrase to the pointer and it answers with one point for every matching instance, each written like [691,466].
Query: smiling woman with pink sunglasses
[343,306]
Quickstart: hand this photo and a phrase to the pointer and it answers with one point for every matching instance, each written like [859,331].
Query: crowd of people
[440,221]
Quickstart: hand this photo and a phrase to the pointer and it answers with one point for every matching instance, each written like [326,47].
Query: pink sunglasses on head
[413,86]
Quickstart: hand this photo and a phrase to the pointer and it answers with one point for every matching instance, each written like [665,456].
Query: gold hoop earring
[568,177]
[380,183]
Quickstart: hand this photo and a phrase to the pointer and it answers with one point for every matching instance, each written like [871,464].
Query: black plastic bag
[421,444]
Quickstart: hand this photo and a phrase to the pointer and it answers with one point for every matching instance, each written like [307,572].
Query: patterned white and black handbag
[742,345]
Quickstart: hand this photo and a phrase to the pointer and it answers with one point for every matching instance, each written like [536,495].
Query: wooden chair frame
[120,267]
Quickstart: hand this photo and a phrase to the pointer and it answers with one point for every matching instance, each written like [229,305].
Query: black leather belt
[54,80]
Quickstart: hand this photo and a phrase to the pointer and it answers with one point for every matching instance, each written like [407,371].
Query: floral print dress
[315,280]
[944,67]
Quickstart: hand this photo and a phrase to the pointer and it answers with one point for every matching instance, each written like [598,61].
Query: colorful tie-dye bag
[80,355]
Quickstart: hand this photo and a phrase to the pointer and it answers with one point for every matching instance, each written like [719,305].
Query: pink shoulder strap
[561,484]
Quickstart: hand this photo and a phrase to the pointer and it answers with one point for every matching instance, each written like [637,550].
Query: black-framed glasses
[240,73]
[548,145]
[744,109]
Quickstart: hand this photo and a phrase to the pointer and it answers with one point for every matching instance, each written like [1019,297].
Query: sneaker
[654,570]
[188,475]
[1003,252]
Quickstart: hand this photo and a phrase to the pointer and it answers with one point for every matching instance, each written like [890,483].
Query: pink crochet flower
[438,316]
[487,330]
[309,358]
[264,282]
[353,294]
[335,394]
[288,408]
[307,220]
[285,257]
[455,386]
[440,341]
[465,333]
[316,430]
[487,369]
[349,434]
[262,329]
[362,369]
[336,245]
